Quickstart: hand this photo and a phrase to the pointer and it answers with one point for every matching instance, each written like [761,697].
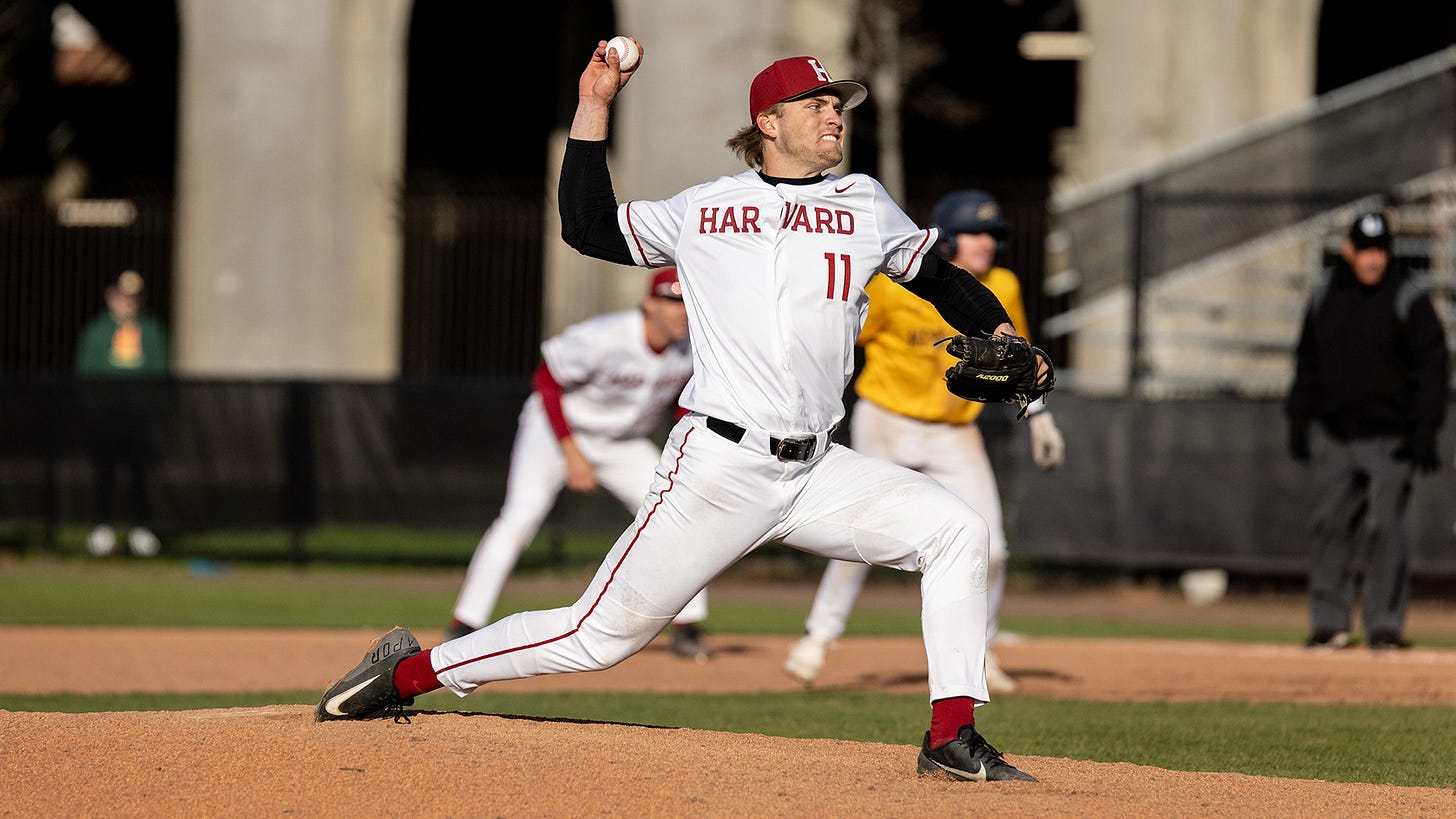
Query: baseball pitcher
[773,264]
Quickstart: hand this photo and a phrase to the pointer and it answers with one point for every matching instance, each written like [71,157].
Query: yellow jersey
[904,370]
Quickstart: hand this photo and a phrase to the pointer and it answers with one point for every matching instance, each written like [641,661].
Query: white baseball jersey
[789,261]
[613,385]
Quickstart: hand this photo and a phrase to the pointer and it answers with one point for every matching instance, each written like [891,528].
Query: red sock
[415,675]
[947,716]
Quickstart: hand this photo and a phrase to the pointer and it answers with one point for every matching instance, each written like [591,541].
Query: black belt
[785,449]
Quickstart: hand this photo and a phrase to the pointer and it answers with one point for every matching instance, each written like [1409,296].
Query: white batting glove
[1048,450]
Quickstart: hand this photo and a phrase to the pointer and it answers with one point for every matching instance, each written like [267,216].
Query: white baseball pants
[712,502]
[537,476]
[953,454]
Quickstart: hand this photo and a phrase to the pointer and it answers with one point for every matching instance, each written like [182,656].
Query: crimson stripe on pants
[671,477]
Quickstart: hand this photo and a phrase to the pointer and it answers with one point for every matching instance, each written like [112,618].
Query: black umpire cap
[1370,230]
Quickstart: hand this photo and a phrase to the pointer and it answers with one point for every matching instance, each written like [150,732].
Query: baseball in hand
[627,51]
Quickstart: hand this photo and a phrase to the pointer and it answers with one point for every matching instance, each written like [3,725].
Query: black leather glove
[1420,449]
[1299,439]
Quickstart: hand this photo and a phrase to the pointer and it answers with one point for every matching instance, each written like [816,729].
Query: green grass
[197,593]
[202,593]
[1335,743]
[391,546]
[165,593]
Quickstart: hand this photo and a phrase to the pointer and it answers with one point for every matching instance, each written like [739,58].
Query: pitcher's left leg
[853,507]
[960,463]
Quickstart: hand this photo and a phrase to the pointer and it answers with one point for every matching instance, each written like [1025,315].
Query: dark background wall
[975,114]
[1148,485]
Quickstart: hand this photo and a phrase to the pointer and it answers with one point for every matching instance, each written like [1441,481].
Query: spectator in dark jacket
[1371,375]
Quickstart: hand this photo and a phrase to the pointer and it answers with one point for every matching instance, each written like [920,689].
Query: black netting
[1147,484]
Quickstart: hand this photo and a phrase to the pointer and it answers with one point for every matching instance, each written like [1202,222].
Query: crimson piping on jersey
[671,481]
[641,251]
[915,257]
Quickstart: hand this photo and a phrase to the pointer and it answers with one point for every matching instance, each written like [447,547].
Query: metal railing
[1358,144]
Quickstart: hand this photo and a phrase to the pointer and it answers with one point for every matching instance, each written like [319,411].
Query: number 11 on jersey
[834,275]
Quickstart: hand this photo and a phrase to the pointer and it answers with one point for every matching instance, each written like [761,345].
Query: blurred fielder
[601,389]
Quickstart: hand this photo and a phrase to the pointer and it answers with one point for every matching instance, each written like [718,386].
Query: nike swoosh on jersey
[332,706]
[846,187]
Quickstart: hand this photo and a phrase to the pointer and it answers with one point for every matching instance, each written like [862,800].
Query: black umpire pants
[1359,542]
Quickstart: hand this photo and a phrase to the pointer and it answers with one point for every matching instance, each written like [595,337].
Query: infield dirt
[276,760]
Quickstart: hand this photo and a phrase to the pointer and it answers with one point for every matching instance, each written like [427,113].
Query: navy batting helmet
[966,211]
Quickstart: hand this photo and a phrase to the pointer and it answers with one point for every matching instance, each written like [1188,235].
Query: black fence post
[59,392]
[300,487]
[1137,230]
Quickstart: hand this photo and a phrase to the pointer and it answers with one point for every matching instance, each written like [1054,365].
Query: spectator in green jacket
[124,341]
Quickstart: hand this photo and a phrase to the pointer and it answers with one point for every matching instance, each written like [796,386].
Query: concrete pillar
[291,154]
[1165,74]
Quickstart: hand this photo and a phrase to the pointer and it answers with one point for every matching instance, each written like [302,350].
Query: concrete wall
[290,153]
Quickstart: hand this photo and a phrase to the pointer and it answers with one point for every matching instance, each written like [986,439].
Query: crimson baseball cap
[665,284]
[794,78]
[1370,230]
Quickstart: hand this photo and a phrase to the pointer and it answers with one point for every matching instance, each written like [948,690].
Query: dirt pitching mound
[277,761]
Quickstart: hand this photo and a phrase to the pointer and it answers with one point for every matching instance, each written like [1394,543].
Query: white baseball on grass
[1203,587]
[627,51]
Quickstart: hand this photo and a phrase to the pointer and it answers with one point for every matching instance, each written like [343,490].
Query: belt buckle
[794,449]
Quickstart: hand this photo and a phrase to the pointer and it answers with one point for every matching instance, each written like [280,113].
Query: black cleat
[969,758]
[368,690]
[1328,640]
[687,642]
[1387,641]
[456,631]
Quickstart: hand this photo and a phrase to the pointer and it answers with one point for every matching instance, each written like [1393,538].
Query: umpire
[1371,372]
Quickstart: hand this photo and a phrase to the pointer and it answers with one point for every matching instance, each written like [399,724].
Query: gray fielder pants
[1362,491]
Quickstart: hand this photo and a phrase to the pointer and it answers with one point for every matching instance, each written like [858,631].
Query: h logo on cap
[794,78]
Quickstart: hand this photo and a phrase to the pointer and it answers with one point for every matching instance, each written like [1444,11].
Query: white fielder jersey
[613,385]
[774,280]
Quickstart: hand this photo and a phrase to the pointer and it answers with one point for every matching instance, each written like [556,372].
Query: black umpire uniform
[1371,373]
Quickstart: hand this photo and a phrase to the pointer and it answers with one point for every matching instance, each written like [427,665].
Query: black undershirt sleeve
[961,299]
[587,204]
